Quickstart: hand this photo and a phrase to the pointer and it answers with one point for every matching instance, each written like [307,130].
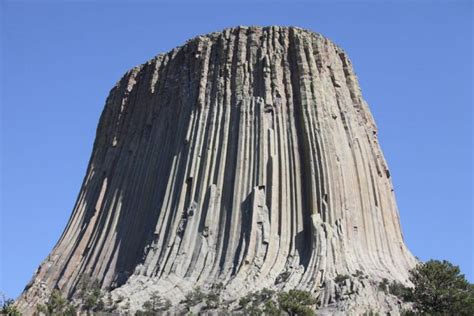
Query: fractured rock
[246,157]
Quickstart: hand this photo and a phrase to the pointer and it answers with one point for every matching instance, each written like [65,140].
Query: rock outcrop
[246,157]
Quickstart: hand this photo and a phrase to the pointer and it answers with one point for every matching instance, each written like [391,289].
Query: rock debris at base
[246,157]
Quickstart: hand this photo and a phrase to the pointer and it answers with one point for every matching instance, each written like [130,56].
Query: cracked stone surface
[246,157]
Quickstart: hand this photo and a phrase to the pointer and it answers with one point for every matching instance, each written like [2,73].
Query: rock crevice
[246,157]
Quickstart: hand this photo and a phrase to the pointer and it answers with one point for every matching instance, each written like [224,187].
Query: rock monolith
[246,157]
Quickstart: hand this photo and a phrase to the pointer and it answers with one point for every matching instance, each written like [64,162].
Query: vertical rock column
[246,157]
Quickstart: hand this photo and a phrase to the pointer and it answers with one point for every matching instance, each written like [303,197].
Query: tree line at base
[439,288]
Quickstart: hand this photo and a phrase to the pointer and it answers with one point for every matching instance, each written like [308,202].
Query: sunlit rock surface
[246,157]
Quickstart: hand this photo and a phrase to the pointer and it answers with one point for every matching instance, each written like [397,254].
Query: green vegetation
[296,302]
[383,285]
[397,289]
[88,292]
[401,291]
[271,308]
[213,298]
[407,312]
[194,297]
[359,274]
[440,288]
[340,278]
[155,305]
[370,313]
[91,294]
[259,303]
[57,305]
[7,306]
[269,302]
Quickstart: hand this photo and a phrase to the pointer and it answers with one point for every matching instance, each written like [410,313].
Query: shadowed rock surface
[246,157]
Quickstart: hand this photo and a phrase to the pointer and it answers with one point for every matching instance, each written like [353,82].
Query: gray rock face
[246,157]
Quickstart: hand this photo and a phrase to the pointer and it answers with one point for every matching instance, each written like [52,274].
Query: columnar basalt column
[246,157]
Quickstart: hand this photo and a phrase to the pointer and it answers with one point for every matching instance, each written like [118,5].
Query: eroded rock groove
[246,157]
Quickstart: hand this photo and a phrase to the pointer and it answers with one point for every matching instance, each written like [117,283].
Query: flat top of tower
[250,29]
[254,28]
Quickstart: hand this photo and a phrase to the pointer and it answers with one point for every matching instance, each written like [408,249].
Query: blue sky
[60,59]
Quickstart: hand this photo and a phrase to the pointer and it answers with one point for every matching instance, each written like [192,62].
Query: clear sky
[60,59]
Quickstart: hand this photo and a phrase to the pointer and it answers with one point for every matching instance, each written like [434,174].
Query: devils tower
[246,157]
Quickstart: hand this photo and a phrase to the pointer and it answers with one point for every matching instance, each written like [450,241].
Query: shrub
[383,285]
[440,288]
[154,305]
[297,302]
[57,305]
[271,308]
[244,301]
[91,294]
[341,278]
[258,303]
[407,312]
[249,304]
[358,274]
[194,297]
[401,291]
[370,313]
[213,298]
[7,306]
